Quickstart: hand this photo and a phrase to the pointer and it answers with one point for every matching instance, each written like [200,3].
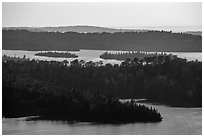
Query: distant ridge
[86,29]
[152,41]
[78,28]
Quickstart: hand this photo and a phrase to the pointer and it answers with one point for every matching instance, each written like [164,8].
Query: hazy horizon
[165,28]
[112,15]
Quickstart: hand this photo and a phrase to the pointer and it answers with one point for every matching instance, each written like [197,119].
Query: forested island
[151,41]
[128,55]
[57,54]
[85,91]
[31,88]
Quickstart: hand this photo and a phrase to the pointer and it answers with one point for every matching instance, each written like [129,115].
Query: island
[57,54]
[128,55]
[31,89]
[85,91]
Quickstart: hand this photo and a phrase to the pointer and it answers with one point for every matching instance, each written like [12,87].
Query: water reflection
[91,55]
[175,121]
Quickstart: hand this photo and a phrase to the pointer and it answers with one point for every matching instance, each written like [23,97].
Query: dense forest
[26,93]
[57,54]
[158,41]
[128,55]
[162,79]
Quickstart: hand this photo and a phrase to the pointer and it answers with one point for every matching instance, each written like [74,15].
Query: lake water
[91,55]
[176,121]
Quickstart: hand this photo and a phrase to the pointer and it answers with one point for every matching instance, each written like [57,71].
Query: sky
[118,15]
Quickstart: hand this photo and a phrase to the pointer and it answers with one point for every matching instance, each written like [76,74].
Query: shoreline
[108,50]
[168,104]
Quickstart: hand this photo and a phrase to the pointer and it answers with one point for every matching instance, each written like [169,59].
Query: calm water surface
[91,55]
[175,121]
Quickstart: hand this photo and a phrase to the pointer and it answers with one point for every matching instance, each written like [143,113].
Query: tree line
[128,55]
[31,88]
[165,79]
[56,54]
[154,41]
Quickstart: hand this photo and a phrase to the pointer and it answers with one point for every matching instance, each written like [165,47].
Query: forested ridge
[156,41]
[172,81]
[26,93]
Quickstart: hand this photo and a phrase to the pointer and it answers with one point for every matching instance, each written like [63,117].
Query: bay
[92,55]
[176,121]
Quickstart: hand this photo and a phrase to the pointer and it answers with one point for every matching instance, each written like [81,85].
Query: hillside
[86,29]
[141,41]
[79,29]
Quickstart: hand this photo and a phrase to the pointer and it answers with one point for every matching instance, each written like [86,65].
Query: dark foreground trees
[26,94]
[42,87]
[166,79]
[28,98]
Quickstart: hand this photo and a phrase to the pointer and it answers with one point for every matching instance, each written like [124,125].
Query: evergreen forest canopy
[129,55]
[57,54]
[161,79]
[25,94]
[90,91]
[154,41]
